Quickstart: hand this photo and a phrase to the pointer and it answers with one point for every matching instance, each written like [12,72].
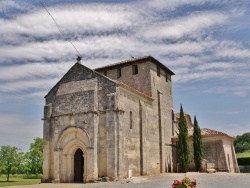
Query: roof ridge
[124,61]
[132,60]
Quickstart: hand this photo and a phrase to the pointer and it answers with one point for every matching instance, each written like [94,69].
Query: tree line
[14,161]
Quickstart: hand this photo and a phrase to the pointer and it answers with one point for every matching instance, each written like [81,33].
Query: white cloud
[109,33]
[191,59]
[233,53]
[36,51]
[220,66]
[199,76]
[187,26]
[5,5]
[80,19]
[184,61]
[34,70]
[110,45]
[26,85]
[236,88]
[171,4]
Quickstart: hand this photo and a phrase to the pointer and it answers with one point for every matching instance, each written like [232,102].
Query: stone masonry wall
[75,101]
[130,133]
[215,153]
[140,81]
[163,105]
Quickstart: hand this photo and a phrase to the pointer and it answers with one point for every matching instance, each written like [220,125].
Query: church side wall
[130,131]
[162,112]
[159,115]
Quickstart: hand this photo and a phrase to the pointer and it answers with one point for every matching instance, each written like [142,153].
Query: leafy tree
[10,159]
[242,143]
[182,145]
[34,157]
[197,144]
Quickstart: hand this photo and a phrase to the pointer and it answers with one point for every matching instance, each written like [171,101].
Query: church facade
[111,122]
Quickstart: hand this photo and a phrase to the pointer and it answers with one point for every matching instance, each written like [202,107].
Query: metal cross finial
[79,59]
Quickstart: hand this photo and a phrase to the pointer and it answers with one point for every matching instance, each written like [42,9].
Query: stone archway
[73,154]
[78,166]
[68,142]
[73,144]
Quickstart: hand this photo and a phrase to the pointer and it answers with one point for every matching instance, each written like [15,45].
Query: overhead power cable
[60,30]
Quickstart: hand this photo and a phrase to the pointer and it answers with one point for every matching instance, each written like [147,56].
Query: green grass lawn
[243,155]
[18,181]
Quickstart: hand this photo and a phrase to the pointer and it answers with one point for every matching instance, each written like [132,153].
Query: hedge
[243,161]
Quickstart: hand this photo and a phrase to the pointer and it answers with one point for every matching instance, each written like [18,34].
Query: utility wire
[58,27]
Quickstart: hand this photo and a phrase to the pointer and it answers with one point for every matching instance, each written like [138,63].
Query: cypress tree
[197,144]
[182,145]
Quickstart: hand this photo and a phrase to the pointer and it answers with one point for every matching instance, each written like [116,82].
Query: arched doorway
[78,166]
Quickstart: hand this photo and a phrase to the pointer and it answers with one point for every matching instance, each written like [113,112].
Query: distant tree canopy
[10,160]
[34,157]
[242,143]
[14,161]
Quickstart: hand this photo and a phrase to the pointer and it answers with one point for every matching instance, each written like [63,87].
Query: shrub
[243,161]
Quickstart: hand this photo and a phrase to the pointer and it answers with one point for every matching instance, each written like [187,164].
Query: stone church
[111,122]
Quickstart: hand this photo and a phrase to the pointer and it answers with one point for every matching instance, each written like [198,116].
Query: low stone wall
[244,169]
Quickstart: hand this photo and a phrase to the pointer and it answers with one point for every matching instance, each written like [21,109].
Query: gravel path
[217,180]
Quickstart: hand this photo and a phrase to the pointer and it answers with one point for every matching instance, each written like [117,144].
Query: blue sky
[206,43]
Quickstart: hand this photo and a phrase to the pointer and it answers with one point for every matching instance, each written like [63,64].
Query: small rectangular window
[166,74]
[119,73]
[135,69]
[158,71]
[105,73]
[131,120]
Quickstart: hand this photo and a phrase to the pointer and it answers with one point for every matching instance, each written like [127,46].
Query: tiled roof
[135,60]
[210,132]
[205,132]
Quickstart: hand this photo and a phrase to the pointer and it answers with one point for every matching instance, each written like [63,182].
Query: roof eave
[135,60]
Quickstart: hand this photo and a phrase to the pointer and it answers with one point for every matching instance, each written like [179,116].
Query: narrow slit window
[105,73]
[166,76]
[135,69]
[131,120]
[119,73]
[158,71]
